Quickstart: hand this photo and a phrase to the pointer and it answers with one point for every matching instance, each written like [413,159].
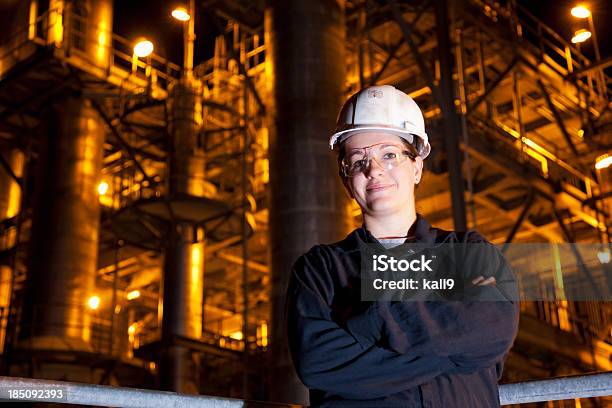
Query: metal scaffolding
[516,115]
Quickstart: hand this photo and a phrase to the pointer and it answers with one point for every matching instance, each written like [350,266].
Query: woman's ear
[418,169]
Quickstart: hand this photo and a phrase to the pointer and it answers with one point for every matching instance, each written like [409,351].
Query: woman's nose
[373,167]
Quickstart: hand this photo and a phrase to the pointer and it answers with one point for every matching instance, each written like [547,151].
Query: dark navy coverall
[351,353]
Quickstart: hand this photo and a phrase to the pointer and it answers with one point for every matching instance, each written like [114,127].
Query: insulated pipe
[55,22]
[65,227]
[182,308]
[10,203]
[6,287]
[10,191]
[306,74]
[187,162]
[184,253]
[99,31]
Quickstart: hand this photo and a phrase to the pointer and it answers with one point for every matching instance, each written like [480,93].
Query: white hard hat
[382,108]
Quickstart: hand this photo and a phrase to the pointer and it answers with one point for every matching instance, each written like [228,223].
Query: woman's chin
[380,206]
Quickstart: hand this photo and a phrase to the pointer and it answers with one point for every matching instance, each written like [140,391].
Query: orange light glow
[603,162]
[581,36]
[181,14]
[143,48]
[580,11]
[93,302]
[103,188]
[135,294]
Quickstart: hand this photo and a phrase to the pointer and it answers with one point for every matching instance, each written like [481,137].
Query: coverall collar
[420,232]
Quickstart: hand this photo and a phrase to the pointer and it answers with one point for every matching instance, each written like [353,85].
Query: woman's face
[377,190]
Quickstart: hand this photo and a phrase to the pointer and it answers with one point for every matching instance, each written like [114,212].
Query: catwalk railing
[549,47]
[22,389]
[66,33]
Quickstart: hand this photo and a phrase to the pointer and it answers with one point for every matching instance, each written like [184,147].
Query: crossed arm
[327,357]
[391,346]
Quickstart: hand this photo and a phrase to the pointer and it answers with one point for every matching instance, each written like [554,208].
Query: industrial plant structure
[150,213]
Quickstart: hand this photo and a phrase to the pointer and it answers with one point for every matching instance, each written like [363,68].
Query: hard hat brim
[339,137]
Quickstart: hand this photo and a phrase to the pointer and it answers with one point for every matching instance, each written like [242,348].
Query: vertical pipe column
[182,308]
[99,31]
[305,70]
[604,178]
[451,118]
[55,23]
[10,203]
[10,191]
[187,161]
[184,257]
[6,288]
[65,228]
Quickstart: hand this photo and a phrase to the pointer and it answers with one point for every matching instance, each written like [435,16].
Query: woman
[356,353]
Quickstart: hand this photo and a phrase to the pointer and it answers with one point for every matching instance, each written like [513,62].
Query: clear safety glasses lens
[387,157]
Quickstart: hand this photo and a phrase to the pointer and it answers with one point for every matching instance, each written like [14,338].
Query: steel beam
[406,31]
[472,108]
[397,46]
[580,262]
[519,221]
[444,97]
[9,171]
[595,66]
[239,260]
[249,82]
[557,116]
[452,123]
[243,71]
[125,145]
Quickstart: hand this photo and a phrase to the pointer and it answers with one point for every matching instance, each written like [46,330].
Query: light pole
[187,16]
[581,11]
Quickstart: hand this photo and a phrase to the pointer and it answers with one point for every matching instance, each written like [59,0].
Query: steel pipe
[550,389]
[305,43]
[65,227]
[183,278]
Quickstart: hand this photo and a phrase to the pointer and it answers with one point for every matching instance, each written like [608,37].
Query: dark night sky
[556,14]
[151,18]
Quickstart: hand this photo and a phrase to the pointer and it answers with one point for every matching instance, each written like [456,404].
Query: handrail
[558,52]
[119,48]
[558,388]
[550,389]
[552,33]
[564,50]
[103,395]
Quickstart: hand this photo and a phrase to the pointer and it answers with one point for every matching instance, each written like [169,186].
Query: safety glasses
[386,155]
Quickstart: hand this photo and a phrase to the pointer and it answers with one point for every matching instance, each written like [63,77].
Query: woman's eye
[359,163]
[390,156]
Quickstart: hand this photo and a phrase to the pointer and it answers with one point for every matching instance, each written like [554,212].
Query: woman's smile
[378,187]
